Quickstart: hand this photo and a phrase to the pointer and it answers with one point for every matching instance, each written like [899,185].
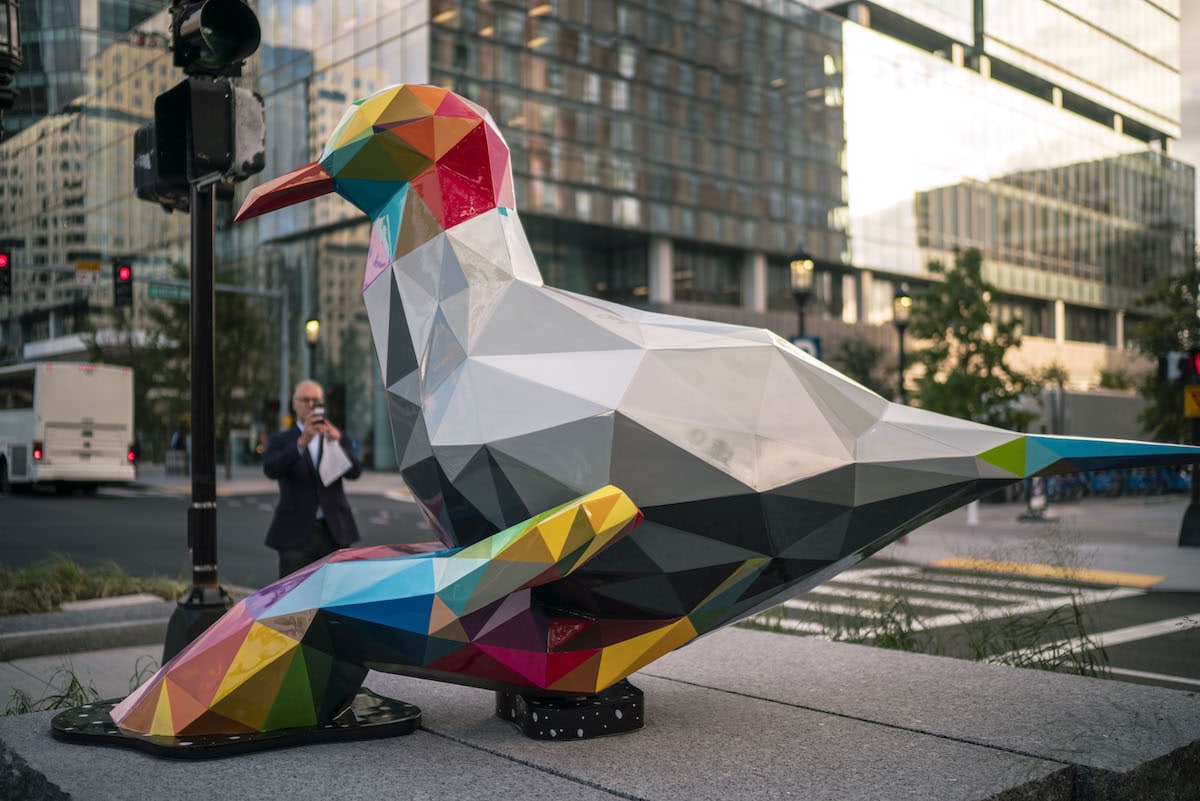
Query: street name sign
[175,293]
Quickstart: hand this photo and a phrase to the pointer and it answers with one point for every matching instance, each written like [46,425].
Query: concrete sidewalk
[737,715]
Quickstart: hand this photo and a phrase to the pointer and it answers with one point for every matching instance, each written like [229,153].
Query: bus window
[16,390]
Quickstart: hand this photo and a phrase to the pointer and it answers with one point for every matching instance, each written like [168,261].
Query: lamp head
[801,268]
[902,306]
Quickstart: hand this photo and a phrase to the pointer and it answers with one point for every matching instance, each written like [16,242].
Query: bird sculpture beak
[305,183]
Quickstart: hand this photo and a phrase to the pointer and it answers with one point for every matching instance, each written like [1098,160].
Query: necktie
[317,464]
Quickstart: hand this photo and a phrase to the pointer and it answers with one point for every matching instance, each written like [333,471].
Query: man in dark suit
[311,520]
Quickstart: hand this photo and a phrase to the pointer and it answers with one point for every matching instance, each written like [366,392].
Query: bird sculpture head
[418,160]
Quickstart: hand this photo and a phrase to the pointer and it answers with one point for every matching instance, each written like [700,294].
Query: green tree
[162,364]
[1116,378]
[965,374]
[861,360]
[1173,302]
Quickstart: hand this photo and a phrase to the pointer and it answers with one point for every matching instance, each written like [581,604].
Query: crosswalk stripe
[977,613]
[1142,674]
[1036,605]
[869,595]
[1145,631]
[1107,639]
[928,592]
[789,624]
[959,579]
[958,589]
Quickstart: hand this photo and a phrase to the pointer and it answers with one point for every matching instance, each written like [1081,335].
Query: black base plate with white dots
[369,716]
[619,709]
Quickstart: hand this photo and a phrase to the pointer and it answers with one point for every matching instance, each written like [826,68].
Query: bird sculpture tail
[1032,455]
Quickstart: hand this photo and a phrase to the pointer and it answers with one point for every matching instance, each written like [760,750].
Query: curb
[77,639]
[95,625]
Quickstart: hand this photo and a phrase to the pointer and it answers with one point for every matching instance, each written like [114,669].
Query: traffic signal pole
[1189,369]
[206,601]
[205,131]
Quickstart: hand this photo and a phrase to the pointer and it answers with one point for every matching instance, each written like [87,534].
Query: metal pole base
[1189,532]
[619,709]
[197,609]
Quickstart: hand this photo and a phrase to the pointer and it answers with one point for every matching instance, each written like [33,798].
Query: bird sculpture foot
[618,710]
[291,658]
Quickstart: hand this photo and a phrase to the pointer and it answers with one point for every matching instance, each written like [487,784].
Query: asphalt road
[146,534]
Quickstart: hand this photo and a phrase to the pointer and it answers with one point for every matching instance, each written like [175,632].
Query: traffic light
[203,129]
[122,274]
[156,180]
[5,274]
[1190,367]
[213,37]
[1180,366]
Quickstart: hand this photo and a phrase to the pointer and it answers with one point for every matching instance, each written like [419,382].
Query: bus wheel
[5,486]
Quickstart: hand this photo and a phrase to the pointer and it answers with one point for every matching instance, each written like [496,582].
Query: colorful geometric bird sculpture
[760,471]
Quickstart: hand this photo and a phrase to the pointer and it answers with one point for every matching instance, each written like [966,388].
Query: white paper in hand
[334,462]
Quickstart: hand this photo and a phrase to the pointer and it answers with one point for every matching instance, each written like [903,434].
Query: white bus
[66,424]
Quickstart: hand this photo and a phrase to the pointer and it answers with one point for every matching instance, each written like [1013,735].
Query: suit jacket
[300,492]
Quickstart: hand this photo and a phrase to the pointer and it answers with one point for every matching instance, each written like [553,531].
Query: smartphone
[317,416]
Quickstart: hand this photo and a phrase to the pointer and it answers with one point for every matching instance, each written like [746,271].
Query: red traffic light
[1192,367]
[122,282]
[3,261]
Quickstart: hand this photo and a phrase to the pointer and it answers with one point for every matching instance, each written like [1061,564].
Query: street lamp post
[901,316]
[312,335]
[801,268]
[10,53]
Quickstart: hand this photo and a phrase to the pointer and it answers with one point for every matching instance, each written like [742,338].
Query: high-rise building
[678,154]
[1038,132]
[59,37]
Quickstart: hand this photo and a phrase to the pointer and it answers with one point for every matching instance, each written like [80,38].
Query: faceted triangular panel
[663,472]
[401,352]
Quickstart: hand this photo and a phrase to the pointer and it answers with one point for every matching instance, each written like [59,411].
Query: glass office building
[676,154]
[58,37]
[1063,207]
